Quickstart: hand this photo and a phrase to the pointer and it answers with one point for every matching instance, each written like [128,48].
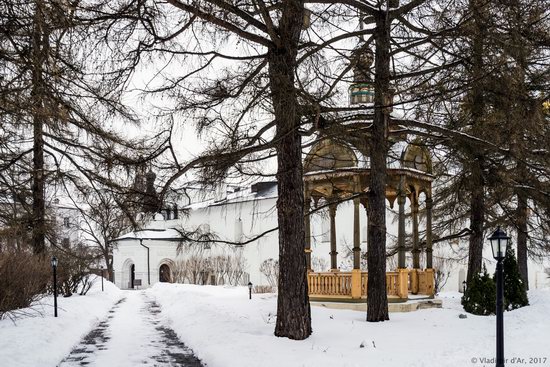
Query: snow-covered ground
[44,340]
[226,329]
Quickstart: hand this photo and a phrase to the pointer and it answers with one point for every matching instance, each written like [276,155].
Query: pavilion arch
[328,155]
[165,269]
[417,157]
[128,274]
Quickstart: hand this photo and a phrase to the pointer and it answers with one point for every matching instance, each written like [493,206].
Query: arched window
[328,155]
[417,157]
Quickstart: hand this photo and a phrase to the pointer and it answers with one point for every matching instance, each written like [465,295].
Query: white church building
[248,215]
[227,237]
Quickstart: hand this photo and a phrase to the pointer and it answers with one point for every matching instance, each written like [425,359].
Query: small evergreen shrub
[480,295]
[515,295]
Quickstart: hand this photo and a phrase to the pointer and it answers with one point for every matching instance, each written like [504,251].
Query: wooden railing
[329,284]
[426,282]
[335,284]
[421,281]
[392,283]
[364,282]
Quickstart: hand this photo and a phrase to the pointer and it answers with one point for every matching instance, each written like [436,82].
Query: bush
[263,289]
[480,295]
[515,295]
[270,268]
[23,280]
[73,271]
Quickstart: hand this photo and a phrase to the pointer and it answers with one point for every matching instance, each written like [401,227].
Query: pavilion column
[333,252]
[307,230]
[356,235]
[356,272]
[416,240]
[365,202]
[401,231]
[429,243]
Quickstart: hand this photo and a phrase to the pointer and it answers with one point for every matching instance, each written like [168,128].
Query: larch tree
[493,94]
[524,41]
[60,95]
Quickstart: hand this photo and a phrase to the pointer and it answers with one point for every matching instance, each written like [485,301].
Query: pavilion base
[349,299]
[408,306]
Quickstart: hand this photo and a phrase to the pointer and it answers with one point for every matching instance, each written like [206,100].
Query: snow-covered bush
[73,270]
[442,272]
[23,280]
[263,289]
[480,295]
[86,284]
[270,269]
[515,294]
[216,270]
[319,264]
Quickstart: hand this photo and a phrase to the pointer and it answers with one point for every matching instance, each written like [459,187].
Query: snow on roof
[151,234]
[155,229]
[258,191]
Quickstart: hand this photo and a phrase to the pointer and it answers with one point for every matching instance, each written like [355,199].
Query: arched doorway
[164,274]
[128,276]
[132,276]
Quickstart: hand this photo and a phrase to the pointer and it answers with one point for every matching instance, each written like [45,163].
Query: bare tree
[270,268]
[58,91]
[102,220]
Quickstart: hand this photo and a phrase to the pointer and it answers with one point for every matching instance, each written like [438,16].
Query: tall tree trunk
[521,222]
[39,39]
[518,114]
[293,310]
[377,298]
[108,262]
[477,218]
[477,200]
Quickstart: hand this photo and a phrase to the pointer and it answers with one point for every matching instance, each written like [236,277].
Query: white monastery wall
[245,219]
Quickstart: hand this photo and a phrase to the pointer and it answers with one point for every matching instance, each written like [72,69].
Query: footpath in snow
[226,329]
[132,335]
[41,340]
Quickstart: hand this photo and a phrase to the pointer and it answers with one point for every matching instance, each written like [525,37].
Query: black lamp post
[463,286]
[499,241]
[102,272]
[54,268]
[249,290]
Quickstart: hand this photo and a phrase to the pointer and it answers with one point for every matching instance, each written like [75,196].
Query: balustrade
[398,283]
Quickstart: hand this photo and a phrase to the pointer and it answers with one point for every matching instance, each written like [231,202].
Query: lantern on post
[249,290]
[499,242]
[54,269]
[102,272]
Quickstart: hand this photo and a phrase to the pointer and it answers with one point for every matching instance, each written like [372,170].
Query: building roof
[168,234]
[258,191]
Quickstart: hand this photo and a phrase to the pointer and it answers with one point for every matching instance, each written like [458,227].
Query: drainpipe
[148,267]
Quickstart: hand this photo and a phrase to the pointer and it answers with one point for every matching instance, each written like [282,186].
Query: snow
[168,233]
[240,196]
[226,329]
[132,335]
[44,340]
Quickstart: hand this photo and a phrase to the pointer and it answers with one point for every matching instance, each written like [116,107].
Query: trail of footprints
[170,351]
